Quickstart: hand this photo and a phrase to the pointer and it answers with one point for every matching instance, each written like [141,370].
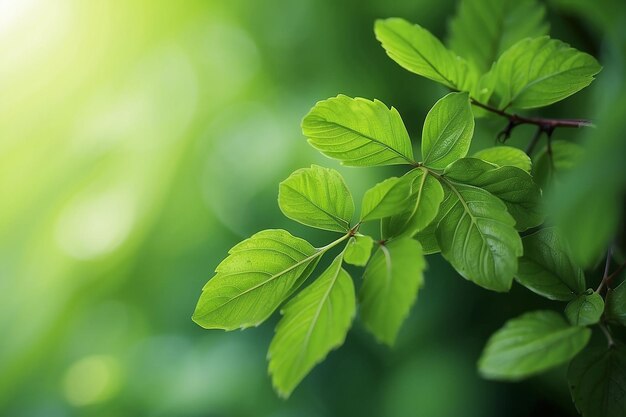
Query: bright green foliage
[358,250]
[418,51]
[547,269]
[385,198]
[254,280]
[597,382]
[502,23]
[541,71]
[616,304]
[529,344]
[358,132]
[477,236]
[448,131]
[565,156]
[426,196]
[512,185]
[395,272]
[505,156]
[314,322]
[586,309]
[317,197]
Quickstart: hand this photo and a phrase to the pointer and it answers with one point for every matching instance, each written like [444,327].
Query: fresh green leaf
[448,131]
[317,197]
[483,29]
[428,237]
[385,199]
[314,322]
[597,381]
[586,309]
[358,132]
[530,344]
[541,71]
[256,277]
[505,156]
[565,156]
[512,185]
[390,284]
[477,236]
[616,304]
[418,51]
[547,268]
[426,196]
[358,250]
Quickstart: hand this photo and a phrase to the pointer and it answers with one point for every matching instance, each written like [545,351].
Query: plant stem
[607,333]
[607,265]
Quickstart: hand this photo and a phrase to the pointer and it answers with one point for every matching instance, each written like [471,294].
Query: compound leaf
[314,322]
[256,277]
[586,309]
[358,132]
[317,197]
[541,71]
[547,268]
[505,156]
[390,284]
[530,344]
[448,131]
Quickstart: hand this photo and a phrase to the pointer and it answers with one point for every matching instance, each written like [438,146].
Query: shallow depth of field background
[140,140]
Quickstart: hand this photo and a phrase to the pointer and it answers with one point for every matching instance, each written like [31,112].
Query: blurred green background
[141,139]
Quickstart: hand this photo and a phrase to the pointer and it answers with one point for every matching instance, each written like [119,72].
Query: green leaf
[426,196]
[541,71]
[418,51]
[390,284]
[565,157]
[358,132]
[586,309]
[385,199]
[428,237]
[530,344]
[505,156]
[314,322]
[616,304]
[513,186]
[448,131]
[547,268]
[358,250]
[597,381]
[256,277]
[477,236]
[317,197]
[483,29]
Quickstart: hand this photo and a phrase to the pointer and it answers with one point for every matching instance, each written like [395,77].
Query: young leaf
[586,309]
[530,344]
[512,185]
[547,269]
[358,132]
[418,51]
[597,382]
[358,250]
[616,304]
[254,280]
[314,322]
[317,197]
[426,196]
[448,131]
[483,29]
[505,156]
[565,156]
[385,199]
[477,236]
[541,71]
[390,284]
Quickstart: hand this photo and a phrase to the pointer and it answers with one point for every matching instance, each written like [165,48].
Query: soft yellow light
[92,380]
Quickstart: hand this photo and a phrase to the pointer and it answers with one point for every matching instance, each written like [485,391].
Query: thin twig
[607,333]
[607,265]
[534,141]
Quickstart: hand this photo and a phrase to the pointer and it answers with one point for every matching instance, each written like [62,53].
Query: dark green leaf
[597,380]
[358,250]
[547,269]
[358,132]
[254,280]
[448,131]
[317,197]
[586,309]
[565,156]
[391,281]
[314,322]
[616,304]
[530,344]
